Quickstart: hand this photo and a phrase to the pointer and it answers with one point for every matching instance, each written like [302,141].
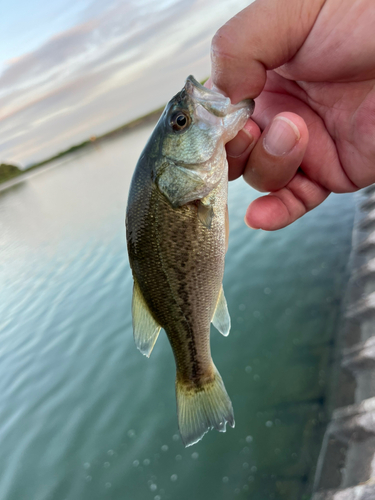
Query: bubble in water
[106,464]
[267,291]
[110,452]
[249,439]
[251,479]
[174,477]
[108,485]
[245,487]
[157,497]
[269,423]
[245,450]
[164,447]
[195,455]
[245,465]
[175,437]
[153,487]
[237,491]
[248,369]
[131,433]
[136,463]
[88,478]
[225,479]
[86,465]
[254,468]
[178,457]
[146,461]
[256,377]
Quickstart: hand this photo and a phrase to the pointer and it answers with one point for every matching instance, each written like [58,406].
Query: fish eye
[180,121]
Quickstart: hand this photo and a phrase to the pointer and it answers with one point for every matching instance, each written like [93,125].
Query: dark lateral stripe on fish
[176,235]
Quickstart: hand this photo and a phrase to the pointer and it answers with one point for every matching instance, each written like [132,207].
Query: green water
[84,416]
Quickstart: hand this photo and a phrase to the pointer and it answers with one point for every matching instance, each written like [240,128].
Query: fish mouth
[213,101]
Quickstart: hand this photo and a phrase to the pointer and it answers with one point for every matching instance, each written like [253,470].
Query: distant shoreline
[12,174]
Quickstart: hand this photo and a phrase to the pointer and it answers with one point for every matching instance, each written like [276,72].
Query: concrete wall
[346,466]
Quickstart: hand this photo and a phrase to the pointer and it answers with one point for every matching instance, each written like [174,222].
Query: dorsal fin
[145,328]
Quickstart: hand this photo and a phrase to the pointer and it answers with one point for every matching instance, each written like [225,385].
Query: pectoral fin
[180,185]
[221,318]
[205,214]
[145,328]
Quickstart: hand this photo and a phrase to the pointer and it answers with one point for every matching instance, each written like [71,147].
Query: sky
[72,69]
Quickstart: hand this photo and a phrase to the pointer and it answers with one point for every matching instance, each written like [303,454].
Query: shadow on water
[84,415]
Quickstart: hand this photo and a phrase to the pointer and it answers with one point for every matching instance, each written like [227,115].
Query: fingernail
[282,136]
[239,144]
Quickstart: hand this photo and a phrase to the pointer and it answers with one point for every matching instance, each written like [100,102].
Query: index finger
[261,37]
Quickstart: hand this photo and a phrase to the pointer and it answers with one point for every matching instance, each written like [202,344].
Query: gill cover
[195,125]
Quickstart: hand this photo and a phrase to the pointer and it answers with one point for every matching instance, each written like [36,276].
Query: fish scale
[165,283]
[176,234]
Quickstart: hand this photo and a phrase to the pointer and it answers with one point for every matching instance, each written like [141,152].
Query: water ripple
[73,386]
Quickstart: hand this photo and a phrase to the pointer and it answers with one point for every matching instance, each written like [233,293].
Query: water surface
[84,416]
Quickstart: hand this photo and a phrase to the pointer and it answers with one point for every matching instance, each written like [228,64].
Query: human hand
[311,65]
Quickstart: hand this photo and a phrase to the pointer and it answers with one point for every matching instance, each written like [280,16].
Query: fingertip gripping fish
[177,230]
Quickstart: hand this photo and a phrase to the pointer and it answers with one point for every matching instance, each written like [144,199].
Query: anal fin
[221,318]
[145,328]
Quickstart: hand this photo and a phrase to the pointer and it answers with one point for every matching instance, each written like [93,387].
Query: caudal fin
[200,409]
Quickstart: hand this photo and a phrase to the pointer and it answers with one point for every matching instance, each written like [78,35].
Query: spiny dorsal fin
[145,328]
[221,318]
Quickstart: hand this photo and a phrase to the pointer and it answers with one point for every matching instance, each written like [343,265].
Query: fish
[177,231]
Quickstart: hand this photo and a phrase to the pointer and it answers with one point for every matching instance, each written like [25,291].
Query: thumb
[263,36]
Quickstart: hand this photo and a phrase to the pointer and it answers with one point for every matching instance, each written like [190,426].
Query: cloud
[119,62]
[52,55]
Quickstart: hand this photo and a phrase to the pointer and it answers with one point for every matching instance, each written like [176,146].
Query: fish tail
[201,408]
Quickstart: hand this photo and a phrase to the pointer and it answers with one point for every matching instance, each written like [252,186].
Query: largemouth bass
[177,228]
